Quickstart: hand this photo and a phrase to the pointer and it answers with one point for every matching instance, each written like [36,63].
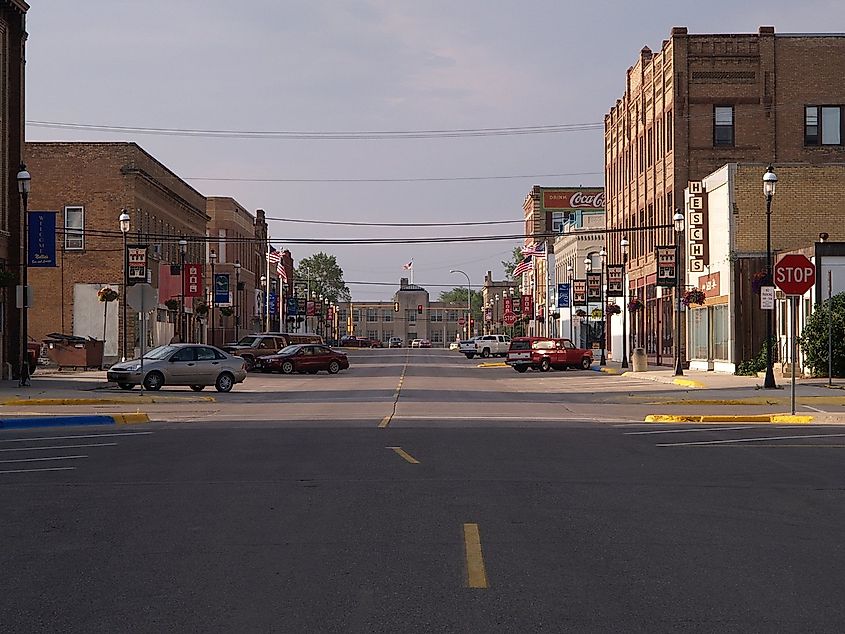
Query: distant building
[493,295]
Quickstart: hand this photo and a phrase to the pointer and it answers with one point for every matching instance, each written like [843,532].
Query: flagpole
[267,289]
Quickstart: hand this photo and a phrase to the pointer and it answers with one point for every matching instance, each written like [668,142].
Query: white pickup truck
[486,346]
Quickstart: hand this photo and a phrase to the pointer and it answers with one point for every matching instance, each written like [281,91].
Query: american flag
[408,266]
[275,257]
[522,267]
[538,248]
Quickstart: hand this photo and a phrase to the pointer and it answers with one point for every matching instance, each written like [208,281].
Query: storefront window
[651,319]
[720,332]
[698,333]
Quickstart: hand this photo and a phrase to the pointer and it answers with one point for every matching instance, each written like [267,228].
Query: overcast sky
[275,65]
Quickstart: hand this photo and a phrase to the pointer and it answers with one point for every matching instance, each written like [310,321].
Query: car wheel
[125,386]
[545,365]
[334,367]
[470,355]
[485,353]
[153,381]
[224,382]
[249,363]
[521,368]
[586,363]
[197,388]
[287,367]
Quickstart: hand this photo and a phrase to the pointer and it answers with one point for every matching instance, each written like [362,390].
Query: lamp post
[603,358]
[212,258]
[588,267]
[183,250]
[469,307]
[623,245]
[678,221]
[24,179]
[495,312]
[123,220]
[265,313]
[569,271]
[770,181]
[237,300]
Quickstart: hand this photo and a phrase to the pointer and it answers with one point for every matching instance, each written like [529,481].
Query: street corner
[738,418]
[71,420]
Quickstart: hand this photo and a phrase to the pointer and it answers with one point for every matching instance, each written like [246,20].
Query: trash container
[639,361]
[70,351]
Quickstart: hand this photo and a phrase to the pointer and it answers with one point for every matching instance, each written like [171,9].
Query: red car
[545,353]
[303,358]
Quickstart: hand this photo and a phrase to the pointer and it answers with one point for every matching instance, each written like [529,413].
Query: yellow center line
[386,420]
[476,574]
[401,452]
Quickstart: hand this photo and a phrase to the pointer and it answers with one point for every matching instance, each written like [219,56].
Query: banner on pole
[563,295]
[221,289]
[41,239]
[579,292]
[615,280]
[594,287]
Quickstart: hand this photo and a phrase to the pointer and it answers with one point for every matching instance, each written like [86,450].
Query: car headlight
[131,368]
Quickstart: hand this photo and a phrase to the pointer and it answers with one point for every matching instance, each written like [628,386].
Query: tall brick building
[88,184]
[698,103]
[12,45]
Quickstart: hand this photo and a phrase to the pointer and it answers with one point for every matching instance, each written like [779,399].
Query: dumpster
[70,351]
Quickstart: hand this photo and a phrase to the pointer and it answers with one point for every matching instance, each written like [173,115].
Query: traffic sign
[795,274]
[509,319]
[142,297]
[462,322]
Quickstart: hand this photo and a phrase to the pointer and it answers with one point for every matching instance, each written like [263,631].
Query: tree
[510,265]
[814,337]
[458,295]
[326,277]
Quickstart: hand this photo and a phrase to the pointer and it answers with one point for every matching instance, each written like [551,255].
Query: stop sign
[795,274]
[510,319]
[462,321]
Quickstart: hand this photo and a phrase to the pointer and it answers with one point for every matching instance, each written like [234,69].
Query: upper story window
[823,125]
[74,228]
[723,125]
[559,218]
[668,129]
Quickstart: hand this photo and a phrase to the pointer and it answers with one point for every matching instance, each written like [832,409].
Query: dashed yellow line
[476,573]
[404,454]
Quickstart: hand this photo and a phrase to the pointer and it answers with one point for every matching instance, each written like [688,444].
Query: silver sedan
[191,364]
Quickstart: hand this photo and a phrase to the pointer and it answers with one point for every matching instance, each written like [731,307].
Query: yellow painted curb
[609,371]
[493,364]
[140,400]
[131,419]
[750,418]
[687,383]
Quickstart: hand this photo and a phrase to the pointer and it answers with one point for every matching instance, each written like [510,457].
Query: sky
[369,65]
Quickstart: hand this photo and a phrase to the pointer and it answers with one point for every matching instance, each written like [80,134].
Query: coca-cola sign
[576,198]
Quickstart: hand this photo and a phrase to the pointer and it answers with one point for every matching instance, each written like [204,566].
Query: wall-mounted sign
[710,284]
[574,198]
[615,280]
[579,292]
[667,266]
[767,298]
[192,280]
[594,287]
[698,246]
[41,239]
[137,258]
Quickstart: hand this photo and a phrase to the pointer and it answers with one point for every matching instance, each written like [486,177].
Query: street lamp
[123,220]
[263,281]
[623,246]
[183,250]
[23,189]
[678,221]
[588,267]
[237,300]
[469,308]
[603,358]
[569,272]
[212,258]
[770,181]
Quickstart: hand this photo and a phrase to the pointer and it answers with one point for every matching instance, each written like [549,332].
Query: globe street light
[24,179]
[678,221]
[588,267]
[263,281]
[569,272]
[770,181]
[123,221]
[623,246]
[469,308]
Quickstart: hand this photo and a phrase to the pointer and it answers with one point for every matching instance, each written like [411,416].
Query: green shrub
[758,364]
[813,339]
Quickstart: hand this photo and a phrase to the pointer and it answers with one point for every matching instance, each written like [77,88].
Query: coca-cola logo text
[590,199]
[580,199]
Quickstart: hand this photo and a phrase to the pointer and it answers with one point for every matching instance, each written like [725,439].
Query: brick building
[12,44]
[698,103]
[88,185]
[493,295]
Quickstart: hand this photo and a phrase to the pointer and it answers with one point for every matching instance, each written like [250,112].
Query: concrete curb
[606,370]
[493,364]
[748,418]
[674,381]
[25,422]
[140,400]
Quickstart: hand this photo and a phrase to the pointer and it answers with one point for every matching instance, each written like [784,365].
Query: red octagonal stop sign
[795,274]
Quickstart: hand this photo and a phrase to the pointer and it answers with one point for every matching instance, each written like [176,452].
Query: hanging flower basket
[554,315]
[580,313]
[635,305]
[760,279]
[226,311]
[596,313]
[7,277]
[107,294]
[172,304]
[613,309]
[693,296]
[201,309]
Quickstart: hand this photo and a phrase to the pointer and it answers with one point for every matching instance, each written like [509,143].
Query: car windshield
[248,341]
[521,345]
[289,349]
[162,352]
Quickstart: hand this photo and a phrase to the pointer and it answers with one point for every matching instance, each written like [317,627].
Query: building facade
[698,103]
[87,186]
[493,294]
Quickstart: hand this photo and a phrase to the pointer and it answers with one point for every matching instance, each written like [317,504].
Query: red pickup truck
[545,353]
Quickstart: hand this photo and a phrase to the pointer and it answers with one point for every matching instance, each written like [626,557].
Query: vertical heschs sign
[698,247]
[193,280]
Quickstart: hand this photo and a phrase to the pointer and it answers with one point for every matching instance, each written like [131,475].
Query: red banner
[527,304]
[508,304]
[192,280]
[310,309]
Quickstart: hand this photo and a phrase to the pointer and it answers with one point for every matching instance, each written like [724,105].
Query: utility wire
[433,179]
[397,224]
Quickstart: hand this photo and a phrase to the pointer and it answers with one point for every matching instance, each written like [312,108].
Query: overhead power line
[433,179]
[397,224]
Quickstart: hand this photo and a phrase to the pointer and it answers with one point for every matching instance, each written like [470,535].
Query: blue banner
[41,239]
[221,289]
[274,304]
[292,307]
[563,295]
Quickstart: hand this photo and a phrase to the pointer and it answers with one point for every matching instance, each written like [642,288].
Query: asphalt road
[480,521]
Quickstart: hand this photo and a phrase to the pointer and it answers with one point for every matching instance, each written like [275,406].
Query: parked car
[306,359]
[425,343]
[544,354]
[351,341]
[189,364]
[455,345]
[395,342]
[415,343]
[488,346]
[467,347]
[251,347]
